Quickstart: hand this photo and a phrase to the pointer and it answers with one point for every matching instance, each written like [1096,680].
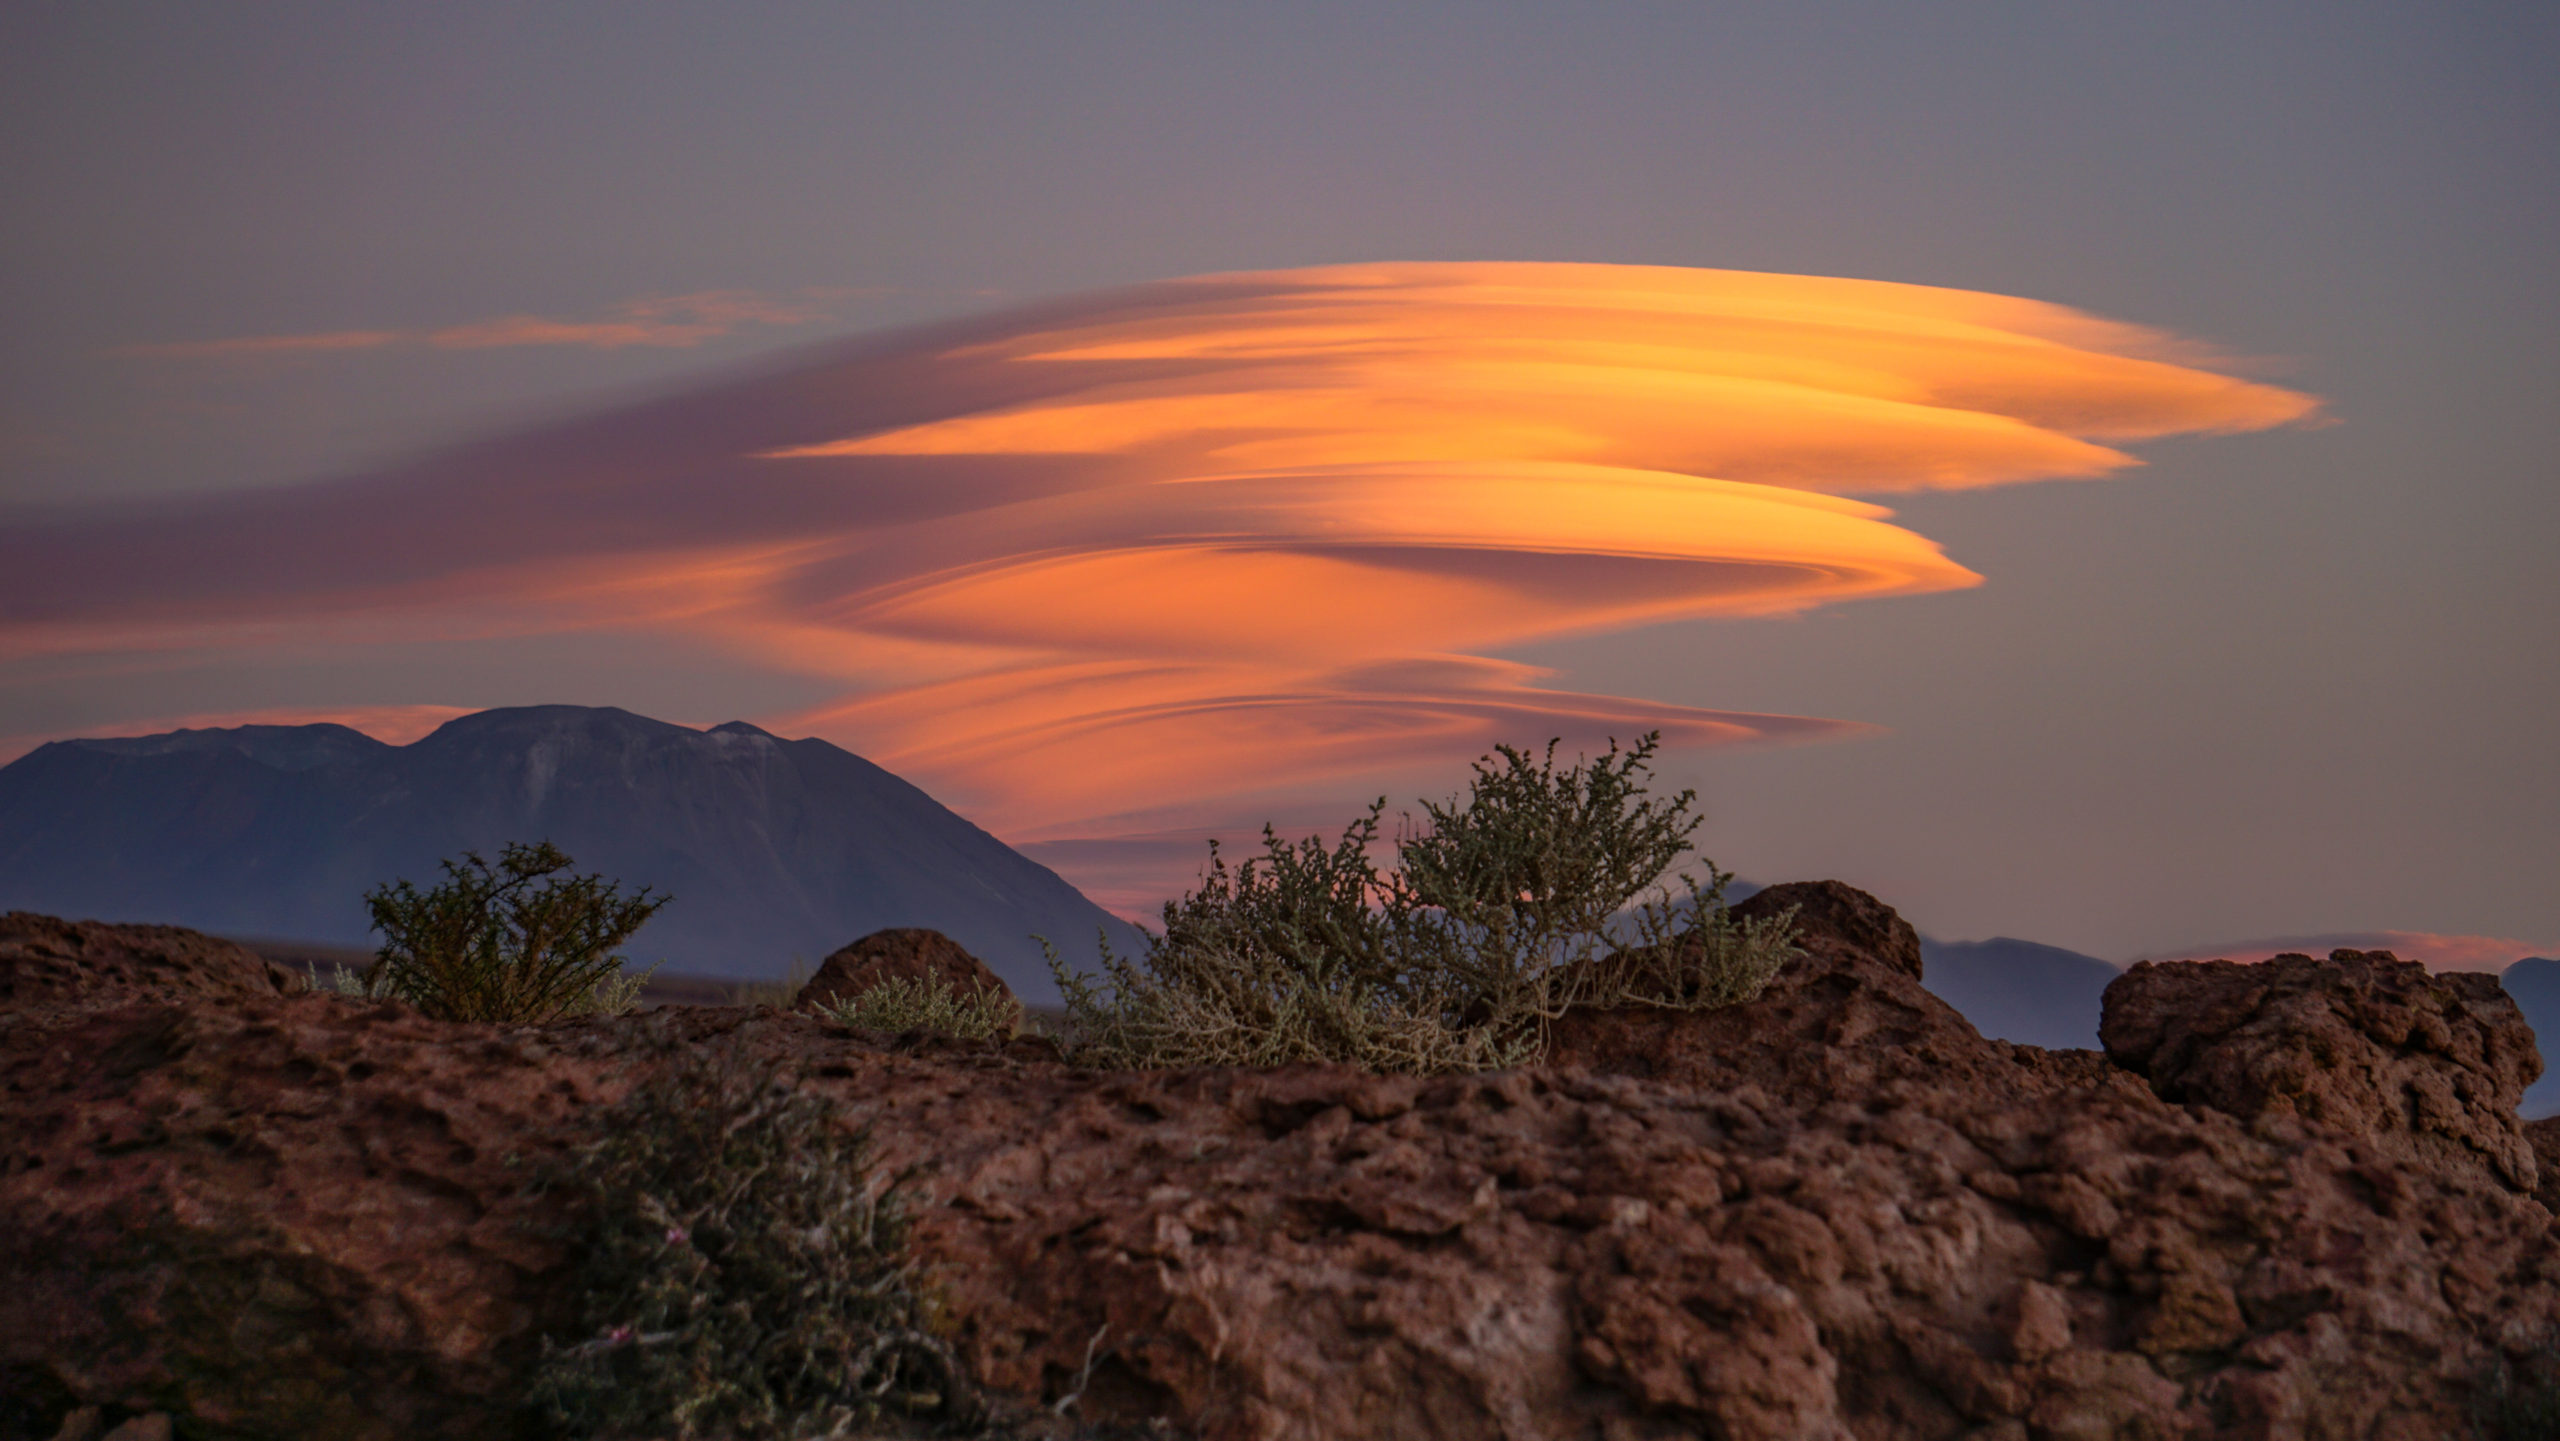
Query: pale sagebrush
[1544,890]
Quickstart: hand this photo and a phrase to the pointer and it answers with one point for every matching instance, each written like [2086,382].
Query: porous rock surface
[46,963]
[906,953]
[2364,1042]
[1833,1212]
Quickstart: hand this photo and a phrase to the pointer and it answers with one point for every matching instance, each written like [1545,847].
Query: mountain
[771,848]
[2016,990]
[2535,984]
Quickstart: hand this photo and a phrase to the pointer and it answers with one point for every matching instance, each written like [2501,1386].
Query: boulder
[2365,1044]
[1837,923]
[902,954]
[1847,1017]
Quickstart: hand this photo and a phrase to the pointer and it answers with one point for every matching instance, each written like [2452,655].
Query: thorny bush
[490,944]
[1543,890]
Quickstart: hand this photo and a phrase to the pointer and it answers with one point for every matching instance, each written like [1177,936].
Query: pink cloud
[674,321]
[2438,952]
[257,346]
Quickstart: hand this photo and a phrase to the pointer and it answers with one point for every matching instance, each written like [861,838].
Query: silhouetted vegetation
[516,942]
[1544,889]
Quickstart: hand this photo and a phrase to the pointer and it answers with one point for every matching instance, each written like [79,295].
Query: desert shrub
[1542,890]
[743,1269]
[490,944]
[929,1003]
[1287,957]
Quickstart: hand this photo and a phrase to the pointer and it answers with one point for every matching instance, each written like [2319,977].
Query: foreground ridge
[2293,1200]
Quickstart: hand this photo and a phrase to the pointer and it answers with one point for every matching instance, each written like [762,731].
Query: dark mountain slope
[2535,984]
[772,848]
[2016,990]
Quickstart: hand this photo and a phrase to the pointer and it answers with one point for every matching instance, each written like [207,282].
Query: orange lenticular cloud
[1109,565]
[1774,379]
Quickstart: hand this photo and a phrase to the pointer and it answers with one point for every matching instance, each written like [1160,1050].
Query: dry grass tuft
[929,1004]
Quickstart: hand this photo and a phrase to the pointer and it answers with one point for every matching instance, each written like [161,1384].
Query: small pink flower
[620,1335]
[678,1235]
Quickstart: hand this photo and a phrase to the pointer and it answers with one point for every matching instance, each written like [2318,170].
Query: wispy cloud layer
[1101,566]
[673,321]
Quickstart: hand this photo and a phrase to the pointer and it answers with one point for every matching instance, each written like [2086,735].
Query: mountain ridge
[773,848]
[2017,990]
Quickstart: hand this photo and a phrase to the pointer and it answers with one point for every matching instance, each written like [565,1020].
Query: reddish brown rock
[2362,1044]
[1836,923]
[1835,1212]
[2544,1137]
[1846,1018]
[46,962]
[903,954]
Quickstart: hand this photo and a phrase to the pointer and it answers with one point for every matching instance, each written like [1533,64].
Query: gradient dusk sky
[2084,473]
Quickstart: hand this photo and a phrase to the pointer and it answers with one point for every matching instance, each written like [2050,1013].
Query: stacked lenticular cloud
[1088,565]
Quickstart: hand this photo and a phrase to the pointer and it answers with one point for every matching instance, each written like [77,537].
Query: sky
[2080,474]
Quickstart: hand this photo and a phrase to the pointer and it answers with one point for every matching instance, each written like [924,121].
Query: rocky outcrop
[1835,1212]
[2364,1043]
[47,963]
[903,954]
[2544,1137]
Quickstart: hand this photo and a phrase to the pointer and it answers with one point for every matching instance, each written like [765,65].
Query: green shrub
[743,1271]
[489,944]
[1542,891]
[929,1004]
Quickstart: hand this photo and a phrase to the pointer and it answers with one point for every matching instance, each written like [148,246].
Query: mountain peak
[553,719]
[771,848]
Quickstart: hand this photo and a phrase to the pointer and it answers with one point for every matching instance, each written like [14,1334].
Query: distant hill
[2016,990]
[2535,984]
[772,848]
